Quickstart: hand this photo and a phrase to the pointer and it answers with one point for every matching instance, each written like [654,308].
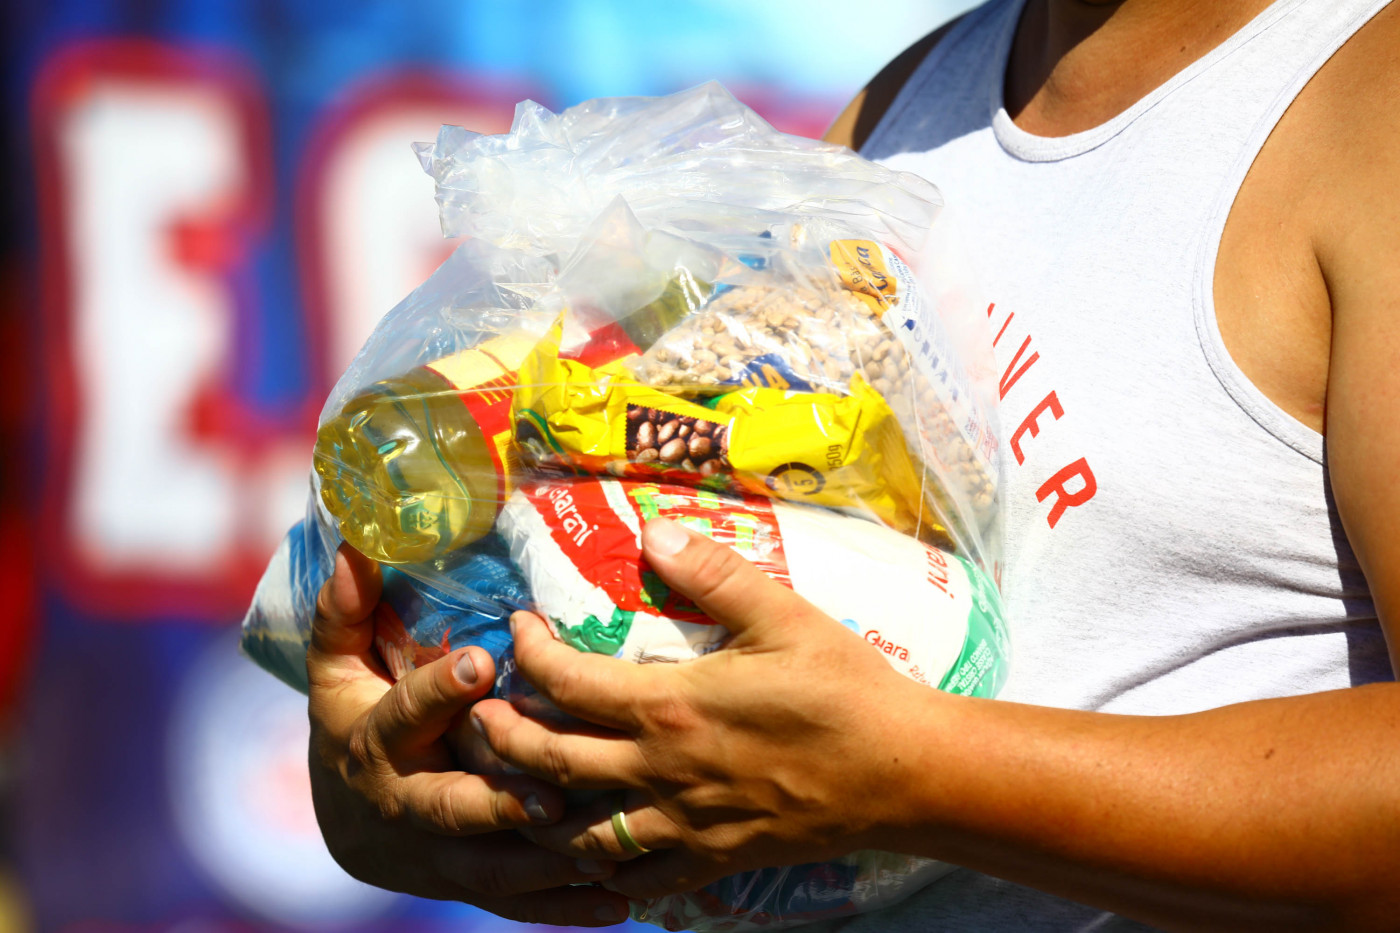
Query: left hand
[395,808]
[778,749]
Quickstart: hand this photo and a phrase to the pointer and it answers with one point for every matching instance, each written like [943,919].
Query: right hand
[394,807]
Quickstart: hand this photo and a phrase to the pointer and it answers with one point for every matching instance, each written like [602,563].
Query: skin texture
[800,742]
[395,810]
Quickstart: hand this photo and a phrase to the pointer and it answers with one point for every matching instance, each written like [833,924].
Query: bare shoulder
[855,124]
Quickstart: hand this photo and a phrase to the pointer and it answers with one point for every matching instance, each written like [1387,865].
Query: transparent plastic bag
[668,308]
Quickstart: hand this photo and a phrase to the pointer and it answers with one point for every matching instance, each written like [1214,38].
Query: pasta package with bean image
[840,451]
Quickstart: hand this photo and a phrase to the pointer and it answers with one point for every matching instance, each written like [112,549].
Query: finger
[455,803]
[661,873]
[579,906]
[344,605]
[519,881]
[471,752]
[572,756]
[724,585]
[590,686]
[419,709]
[505,864]
[588,832]
[510,877]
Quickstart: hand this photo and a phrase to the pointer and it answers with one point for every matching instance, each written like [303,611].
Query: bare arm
[1357,242]
[1279,814]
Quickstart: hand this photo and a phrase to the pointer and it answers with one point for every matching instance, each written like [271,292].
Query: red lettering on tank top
[1051,402]
[1058,485]
[1009,378]
[1074,484]
[1004,325]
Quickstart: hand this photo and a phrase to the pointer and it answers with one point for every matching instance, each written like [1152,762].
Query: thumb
[725,586]
[345,604]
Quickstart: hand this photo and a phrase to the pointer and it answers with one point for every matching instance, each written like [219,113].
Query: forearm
[1277,814]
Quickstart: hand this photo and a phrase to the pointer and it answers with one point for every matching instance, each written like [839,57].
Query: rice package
[932,613]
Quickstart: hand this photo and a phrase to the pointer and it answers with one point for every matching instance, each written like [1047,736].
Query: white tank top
[1171,543]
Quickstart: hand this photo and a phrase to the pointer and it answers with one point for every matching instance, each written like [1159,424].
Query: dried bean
[673,451]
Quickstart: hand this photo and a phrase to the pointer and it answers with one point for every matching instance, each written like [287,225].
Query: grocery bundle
[665,308]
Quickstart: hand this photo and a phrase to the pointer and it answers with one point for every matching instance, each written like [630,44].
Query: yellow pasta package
[841,451]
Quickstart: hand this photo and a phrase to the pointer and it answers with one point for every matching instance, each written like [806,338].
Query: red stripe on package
[604,544]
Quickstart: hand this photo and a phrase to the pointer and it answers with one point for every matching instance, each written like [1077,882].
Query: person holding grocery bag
[1185,221]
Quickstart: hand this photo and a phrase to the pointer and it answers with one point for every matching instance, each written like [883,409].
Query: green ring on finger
[630,844]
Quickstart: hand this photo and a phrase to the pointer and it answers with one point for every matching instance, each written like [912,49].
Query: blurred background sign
[208,205]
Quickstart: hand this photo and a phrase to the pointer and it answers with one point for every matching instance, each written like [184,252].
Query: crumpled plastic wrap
[665,307]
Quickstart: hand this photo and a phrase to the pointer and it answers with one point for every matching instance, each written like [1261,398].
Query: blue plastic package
[414,622]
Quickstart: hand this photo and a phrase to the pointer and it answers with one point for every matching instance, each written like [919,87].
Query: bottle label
[485,377]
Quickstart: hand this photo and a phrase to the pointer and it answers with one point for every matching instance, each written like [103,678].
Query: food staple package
[664,308]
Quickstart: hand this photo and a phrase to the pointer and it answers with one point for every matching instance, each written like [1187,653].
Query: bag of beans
[663,307]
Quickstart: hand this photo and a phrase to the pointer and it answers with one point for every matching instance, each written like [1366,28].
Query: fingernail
[664,537]
[590,867]
[466,670]
[534,810]
[478,725]
[610,913]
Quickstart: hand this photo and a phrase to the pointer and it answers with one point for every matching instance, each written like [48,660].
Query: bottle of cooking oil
[416,466]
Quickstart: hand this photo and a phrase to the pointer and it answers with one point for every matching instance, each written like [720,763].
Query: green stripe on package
[981,668]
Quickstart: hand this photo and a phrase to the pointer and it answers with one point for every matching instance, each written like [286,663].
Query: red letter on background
[1051,402]
[1063,497]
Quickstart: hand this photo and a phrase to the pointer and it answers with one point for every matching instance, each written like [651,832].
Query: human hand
[394,807]
[782,747]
